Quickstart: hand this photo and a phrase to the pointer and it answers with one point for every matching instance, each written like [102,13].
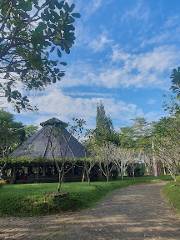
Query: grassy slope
[32,199]
[172,192]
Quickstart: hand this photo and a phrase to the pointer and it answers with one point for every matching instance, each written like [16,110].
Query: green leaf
[52,49]
[63,63]
[51,5]
[26,5]
[61,74]
[67,50]
[72,7]
[66,7]
[56,70]
[42,26]
[76,15]
[59,5]
[59,53]
[70,27]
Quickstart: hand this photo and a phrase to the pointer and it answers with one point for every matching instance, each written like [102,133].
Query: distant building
[52,141]
[52,138]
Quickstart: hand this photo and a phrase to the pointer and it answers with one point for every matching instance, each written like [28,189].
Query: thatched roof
[52,138]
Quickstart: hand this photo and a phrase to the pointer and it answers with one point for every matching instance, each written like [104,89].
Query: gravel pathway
[134,213]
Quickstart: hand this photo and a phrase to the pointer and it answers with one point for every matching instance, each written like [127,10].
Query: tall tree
[175,77]
[126,137]
[137,135]
[173,104]
[33,36]
[104,127]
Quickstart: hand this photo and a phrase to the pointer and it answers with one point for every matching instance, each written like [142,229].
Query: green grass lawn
[34,199]
[172,192]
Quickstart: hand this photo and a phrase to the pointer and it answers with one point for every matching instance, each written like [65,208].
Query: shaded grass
[35,199]
[172,193]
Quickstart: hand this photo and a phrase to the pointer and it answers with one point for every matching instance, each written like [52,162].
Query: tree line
[155,144]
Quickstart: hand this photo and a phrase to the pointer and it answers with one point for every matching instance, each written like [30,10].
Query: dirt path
[133,213]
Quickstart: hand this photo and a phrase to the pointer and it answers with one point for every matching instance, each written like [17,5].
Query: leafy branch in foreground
[33,36]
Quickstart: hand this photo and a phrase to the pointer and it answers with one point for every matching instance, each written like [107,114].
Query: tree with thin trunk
[89,163]
[105,159]
[58,141]
[122,158]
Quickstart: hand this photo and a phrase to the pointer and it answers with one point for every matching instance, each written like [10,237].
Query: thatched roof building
[52,139]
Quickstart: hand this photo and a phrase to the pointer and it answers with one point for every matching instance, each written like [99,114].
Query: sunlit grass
[172,192]
[35,199]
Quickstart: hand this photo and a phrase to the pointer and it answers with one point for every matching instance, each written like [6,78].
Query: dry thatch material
[52,139]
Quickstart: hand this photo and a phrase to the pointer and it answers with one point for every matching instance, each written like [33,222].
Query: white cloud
[140,11]
[126,69]
[151,101]
[153,115]
[100,42]
[172,21]
[54,103]
[89,7]
[119,54]
[90,94]
[168,33]
[159,59]
[95,5]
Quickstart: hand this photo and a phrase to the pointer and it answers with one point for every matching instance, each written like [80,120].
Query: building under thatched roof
[52,140]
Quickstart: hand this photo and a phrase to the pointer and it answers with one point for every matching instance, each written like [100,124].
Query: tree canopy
[175,77]
[172,104]
[33,36]
[104,127]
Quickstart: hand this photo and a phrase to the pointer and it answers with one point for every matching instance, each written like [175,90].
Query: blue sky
[124,54]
